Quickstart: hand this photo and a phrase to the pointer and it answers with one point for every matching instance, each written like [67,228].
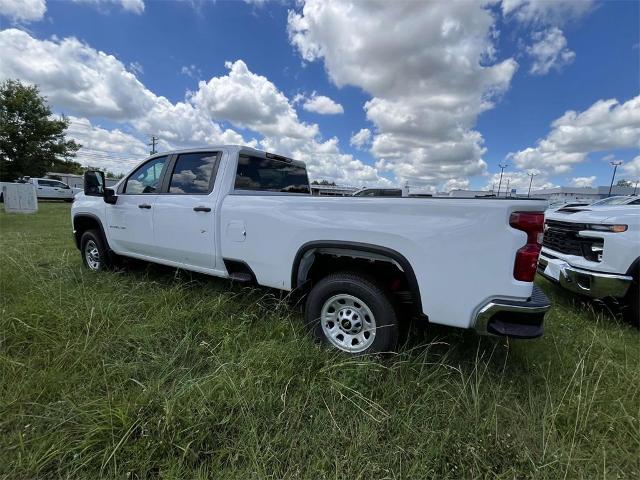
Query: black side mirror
[95,186]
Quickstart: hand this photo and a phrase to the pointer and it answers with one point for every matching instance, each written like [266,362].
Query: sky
[436,95]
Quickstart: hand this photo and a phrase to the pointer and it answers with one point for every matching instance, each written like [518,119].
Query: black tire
[1,197]
[631,307]
[103,259]
[374,298]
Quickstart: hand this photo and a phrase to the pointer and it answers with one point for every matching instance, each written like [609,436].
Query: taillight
[526,263]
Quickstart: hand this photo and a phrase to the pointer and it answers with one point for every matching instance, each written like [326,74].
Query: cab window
[270,175]
[194,173]
[146,179]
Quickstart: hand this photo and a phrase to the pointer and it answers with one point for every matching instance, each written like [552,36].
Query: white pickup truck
[49,189]
[594,250]
[364,263]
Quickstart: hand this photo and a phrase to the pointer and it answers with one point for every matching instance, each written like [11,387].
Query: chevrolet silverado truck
[594,251]
[365,264]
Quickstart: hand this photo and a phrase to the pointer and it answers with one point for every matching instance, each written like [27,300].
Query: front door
[130,220]
[184,217]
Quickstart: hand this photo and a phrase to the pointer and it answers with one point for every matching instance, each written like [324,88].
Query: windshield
[611,201]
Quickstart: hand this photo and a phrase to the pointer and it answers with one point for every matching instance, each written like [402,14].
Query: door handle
[201,209]
[144,205]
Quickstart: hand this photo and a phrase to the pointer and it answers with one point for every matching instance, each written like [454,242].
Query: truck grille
[563,237]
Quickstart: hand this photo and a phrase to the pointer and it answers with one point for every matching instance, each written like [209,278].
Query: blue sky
[530,63]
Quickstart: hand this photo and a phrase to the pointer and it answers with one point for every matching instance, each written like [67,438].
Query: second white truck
[364,263]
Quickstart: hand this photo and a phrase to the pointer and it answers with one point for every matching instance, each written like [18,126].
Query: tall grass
[151,372]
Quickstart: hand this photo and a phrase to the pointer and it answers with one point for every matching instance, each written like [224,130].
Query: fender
[97,220]
[361,247]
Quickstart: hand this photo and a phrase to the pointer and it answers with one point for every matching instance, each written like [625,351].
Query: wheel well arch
[305,259]
[86,221]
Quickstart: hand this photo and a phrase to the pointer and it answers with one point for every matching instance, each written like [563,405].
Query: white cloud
[133,6]
[251,101]
[545,12]
[136,68]
[605,125]
[453,184]
[89,83]
[549,51]
[191,71]
[322,105]
[361,138]
[518,180]
[427,94]
[632,168]
[23,11]
[583,181]
[114,150]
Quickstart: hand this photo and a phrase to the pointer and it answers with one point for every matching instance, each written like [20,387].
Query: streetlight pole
[506,190]
[502,167]
[531,174]
[615,167]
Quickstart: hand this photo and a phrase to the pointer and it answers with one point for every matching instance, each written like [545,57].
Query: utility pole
[531,174]
[154,139]
[506,191]
[615,167]
[502,167]
[635,189]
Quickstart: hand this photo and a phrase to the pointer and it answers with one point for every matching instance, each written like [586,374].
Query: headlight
[607,228]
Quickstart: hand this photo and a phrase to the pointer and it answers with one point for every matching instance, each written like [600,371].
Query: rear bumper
[584,282]
[514,318]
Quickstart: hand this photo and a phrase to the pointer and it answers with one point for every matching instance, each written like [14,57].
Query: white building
[569,194]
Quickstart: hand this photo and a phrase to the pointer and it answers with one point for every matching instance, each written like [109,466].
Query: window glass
[60,184]
[146,179]
[266,174]
[193,172]
[47,183]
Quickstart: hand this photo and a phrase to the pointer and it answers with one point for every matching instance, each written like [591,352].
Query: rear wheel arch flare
[306,254]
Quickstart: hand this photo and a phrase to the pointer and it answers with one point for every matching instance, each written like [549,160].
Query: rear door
[130,219]
[184,215]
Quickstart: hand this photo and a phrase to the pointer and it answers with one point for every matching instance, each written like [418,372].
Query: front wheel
[352,313]
[94,254]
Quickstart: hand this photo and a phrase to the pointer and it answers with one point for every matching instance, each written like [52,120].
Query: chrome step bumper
[514,318]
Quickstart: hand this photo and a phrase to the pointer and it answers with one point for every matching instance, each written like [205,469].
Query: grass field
[156,373]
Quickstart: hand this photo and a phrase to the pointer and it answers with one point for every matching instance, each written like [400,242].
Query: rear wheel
[94,254]
[352,313]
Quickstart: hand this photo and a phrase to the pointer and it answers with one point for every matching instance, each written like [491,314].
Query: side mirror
[95,186]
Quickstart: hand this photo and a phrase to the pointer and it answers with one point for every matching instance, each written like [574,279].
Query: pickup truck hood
[592,214]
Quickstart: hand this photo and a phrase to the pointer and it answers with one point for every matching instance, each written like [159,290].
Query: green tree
[32,141]
[624,183]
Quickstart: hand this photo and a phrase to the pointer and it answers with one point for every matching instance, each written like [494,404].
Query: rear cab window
[194,173]
[270,175]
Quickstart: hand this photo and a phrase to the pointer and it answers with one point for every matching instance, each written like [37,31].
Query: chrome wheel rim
[92,255]
[348,323]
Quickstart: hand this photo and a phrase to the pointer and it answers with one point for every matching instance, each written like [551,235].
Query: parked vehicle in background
[378,192]
[617,200]
[388,192]
[365,264]
[49,189]
[559,205]
[595,251]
